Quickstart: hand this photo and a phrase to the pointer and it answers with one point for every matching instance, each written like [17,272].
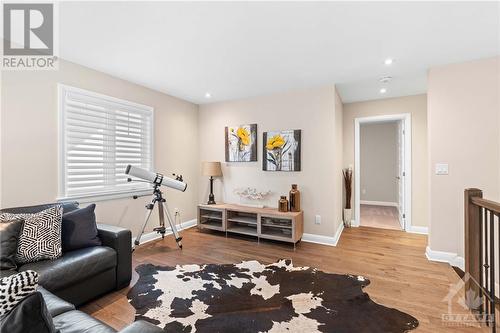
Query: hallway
[380,217]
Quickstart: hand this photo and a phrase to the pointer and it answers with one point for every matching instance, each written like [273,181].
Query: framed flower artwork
[281,151]
[241,143]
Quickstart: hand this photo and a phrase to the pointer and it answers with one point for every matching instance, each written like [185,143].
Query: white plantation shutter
[101,135]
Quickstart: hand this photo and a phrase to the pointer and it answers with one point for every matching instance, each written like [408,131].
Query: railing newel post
[472,250]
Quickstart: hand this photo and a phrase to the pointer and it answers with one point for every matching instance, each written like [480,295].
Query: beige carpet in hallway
[380,217]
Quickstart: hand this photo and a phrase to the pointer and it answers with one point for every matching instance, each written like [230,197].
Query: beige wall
[498,101]
[379,161]
[417,106]
[314,112]
[464,127]
[339,158]
[29,140]
[1,154]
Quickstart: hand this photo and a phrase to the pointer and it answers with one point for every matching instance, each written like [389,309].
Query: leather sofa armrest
[28,316]
[120,240]
[55,305]
[141,326]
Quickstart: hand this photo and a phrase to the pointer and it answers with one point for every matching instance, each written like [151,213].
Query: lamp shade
[211,169]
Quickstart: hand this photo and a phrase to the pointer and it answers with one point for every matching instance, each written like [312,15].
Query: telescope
[157,180]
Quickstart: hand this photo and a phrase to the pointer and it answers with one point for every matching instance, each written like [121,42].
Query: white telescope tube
[155,178]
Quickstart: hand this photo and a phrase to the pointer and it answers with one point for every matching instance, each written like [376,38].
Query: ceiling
[243,49]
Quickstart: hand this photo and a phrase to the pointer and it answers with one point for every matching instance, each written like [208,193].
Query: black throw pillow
[79,229]
[28,316]
[9,236]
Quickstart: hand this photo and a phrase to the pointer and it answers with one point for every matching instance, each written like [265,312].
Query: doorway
[382,172]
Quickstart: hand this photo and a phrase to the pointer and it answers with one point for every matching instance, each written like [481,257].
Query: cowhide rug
[252,297]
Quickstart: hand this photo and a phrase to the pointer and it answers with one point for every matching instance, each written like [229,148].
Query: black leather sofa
[76,278]
[84,274]
[63,316]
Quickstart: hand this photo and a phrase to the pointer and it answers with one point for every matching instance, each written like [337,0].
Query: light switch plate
[441,168]
[317,219]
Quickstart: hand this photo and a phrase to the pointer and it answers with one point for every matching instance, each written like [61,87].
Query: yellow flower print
[274,142]
[243,135]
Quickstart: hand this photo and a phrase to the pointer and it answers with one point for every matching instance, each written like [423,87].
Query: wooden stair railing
[482,257]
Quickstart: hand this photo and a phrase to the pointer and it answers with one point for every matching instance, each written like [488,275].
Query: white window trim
[103,196]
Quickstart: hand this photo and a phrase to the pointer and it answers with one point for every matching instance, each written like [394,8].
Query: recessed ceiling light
[385,79]
[388,61]
[383,91]
[208,95]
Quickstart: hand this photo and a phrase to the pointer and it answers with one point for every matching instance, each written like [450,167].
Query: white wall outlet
[317,219]
[363,191]
[441,168]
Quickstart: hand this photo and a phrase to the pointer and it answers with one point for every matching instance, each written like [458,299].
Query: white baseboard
[324,240]
[310,238]
[153,235]
[418,230]
[379,203]
[449,257]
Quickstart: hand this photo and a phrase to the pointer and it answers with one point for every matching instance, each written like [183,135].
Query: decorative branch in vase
[347,172]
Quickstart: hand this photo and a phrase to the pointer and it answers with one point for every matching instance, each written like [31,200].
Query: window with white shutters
[100,136]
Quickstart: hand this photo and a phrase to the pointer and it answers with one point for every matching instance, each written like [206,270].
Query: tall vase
[347,218]
[294,199]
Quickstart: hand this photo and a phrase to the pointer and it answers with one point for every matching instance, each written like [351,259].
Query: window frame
[62,148]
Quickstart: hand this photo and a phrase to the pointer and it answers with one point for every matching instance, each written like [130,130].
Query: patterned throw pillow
[40,237]
[14,288]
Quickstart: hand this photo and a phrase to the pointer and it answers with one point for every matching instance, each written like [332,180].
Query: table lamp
[212,169]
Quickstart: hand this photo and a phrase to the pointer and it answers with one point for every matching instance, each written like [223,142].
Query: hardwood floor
[394,261]
[380,217]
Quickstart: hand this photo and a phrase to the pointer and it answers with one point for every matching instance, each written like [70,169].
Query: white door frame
[406,118]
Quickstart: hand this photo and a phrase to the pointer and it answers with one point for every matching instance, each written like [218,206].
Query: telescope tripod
[163,212]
